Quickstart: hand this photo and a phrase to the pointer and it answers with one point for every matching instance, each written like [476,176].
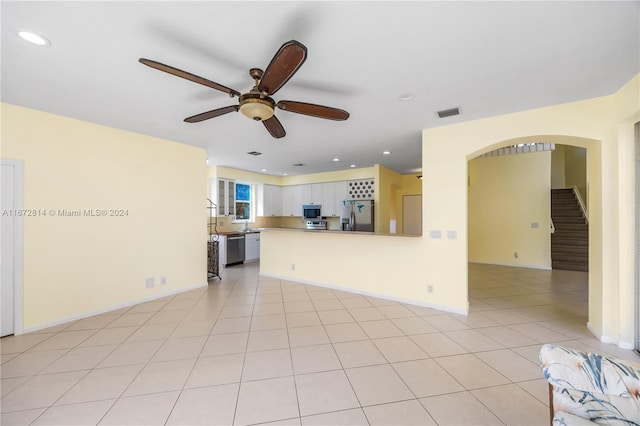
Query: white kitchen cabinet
[292,200]
[333,193]
[227,197]
[312,193]
[252,247]
[222,250]
[272,200]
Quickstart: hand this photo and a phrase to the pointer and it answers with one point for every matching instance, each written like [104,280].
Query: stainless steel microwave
[311,211]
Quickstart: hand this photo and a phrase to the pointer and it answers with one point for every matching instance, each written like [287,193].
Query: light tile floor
[252,350]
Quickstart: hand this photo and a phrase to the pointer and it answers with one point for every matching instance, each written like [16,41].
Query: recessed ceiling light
[336,159]
[34,38]
[386,152]
[353,165]
[407,96]
[263,170]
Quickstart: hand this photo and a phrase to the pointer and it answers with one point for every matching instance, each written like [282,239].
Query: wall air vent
[254,153]
[448,112]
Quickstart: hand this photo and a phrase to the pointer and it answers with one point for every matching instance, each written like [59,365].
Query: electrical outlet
[515,254]
[163,280]
[429,289]
[149,282]
[293,266]
[222,223]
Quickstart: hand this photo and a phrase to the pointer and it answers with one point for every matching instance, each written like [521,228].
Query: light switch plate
[435,234]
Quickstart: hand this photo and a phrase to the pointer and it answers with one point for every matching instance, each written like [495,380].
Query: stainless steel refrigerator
[357,215]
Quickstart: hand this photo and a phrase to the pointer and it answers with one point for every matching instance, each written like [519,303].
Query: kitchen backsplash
[225,223]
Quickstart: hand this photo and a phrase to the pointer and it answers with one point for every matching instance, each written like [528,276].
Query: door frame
[18,255]
[636,128]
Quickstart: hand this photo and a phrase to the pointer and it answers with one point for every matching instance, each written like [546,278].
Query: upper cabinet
[292,200]
[226,197]
[272,200]
[312,193]
[333,193]
[288,200]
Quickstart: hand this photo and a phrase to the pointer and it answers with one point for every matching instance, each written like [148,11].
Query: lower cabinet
[252,247]
[222,251]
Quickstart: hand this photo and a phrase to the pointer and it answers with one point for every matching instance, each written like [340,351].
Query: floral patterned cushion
[603,390]
[566,419]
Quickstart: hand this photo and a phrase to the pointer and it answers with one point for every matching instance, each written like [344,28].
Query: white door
[412,214]
[637,137]
[11,249]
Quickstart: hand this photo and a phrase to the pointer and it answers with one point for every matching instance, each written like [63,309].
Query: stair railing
[582,207]
[553,227]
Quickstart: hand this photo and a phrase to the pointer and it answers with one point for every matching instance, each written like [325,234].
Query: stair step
[569,220]
[570,257]
[570,266]
[571,242]
[572,249]
[566,213]
[565,207]
[563,201]
[572,227]
[569,233]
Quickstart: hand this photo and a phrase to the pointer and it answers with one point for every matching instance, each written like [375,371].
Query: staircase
[570,241]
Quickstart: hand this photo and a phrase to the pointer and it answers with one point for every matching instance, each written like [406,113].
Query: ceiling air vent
[254,153]
[448,112]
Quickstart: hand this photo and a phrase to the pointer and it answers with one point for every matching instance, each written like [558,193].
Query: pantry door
[412,214]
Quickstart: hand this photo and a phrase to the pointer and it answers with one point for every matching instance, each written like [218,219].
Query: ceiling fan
[257,104]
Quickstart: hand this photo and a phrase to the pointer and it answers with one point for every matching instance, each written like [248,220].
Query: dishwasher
[235,249]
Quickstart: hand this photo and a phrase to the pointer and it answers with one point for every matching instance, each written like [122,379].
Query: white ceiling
[488,58]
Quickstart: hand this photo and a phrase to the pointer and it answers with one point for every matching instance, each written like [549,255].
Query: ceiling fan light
[256,109]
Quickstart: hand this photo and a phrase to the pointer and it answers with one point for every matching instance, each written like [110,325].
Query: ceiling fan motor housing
[255,107]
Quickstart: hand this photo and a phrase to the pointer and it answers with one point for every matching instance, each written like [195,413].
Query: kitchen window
[244,202]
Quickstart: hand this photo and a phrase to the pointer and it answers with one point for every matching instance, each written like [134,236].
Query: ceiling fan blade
[313,110]
[211,114]
[188,76]
[283,66]
[274,127]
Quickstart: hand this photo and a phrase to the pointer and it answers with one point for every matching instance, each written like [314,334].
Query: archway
[537,237]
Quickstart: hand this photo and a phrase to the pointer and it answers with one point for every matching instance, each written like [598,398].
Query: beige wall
[74,266]
[569,168]
[575,169]
[402,267]
[604,126]
[507,194]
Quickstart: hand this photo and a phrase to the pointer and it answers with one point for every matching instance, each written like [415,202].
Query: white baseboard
[109,308]
[611,340]
[373,294]
[513,265]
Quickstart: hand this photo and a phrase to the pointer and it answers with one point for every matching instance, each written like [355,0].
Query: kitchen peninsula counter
[336,232]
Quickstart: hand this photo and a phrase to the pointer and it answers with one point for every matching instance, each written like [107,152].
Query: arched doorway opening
[509,225]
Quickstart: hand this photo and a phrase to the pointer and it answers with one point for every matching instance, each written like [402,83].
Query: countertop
[335,232]
[252,231]
[316,231]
